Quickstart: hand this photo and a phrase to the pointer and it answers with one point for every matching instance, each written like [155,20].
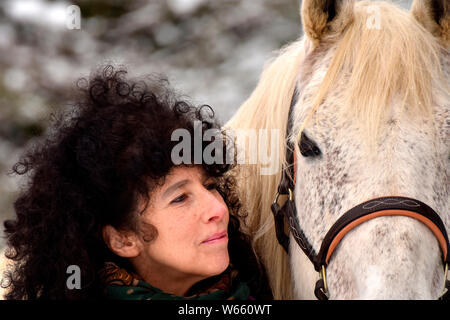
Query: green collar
[144,291]
[119,284]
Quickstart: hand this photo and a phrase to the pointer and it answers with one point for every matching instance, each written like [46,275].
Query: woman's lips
[215,238]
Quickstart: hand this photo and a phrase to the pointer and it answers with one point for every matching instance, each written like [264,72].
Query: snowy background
[211,50]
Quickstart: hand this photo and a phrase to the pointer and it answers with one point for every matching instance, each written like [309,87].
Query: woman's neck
[165,280]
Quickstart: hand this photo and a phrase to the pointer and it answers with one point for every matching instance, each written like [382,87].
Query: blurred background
[213,51]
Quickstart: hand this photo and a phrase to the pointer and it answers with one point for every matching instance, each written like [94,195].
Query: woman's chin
[219,264]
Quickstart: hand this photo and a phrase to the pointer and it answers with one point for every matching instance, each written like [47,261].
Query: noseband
[378,207]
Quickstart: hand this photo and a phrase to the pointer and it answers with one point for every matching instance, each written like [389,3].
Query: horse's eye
[308,148]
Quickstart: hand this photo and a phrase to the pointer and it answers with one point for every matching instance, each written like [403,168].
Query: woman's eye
[179,199]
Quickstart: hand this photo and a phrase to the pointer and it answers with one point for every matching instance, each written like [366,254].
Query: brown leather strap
[383,206]
[411,214]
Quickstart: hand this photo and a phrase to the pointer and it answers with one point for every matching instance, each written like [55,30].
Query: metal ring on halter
[276,198]
[323,276]
[445,291]
[291,196]
[445,275]
[446,271]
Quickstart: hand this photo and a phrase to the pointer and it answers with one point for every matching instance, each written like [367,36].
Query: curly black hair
[112,148]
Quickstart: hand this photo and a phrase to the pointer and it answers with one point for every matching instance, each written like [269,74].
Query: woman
[105,196]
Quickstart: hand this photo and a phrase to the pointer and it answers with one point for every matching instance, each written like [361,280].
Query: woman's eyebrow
[174,187]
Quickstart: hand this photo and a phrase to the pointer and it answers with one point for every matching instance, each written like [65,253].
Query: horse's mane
[268,108]
[399,61]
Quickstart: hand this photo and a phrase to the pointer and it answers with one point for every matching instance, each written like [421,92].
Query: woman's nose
[214,207]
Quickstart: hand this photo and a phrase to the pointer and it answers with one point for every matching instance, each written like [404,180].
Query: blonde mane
[268,108]
[400,61]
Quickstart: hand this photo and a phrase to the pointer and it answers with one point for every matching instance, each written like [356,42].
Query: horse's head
[373,97]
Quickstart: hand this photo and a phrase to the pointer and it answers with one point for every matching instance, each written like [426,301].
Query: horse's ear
[323,17]
[434,15]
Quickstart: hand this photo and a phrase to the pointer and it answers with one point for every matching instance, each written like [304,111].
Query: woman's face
[191,219]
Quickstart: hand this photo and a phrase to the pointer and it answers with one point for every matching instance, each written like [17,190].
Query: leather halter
[383,206]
